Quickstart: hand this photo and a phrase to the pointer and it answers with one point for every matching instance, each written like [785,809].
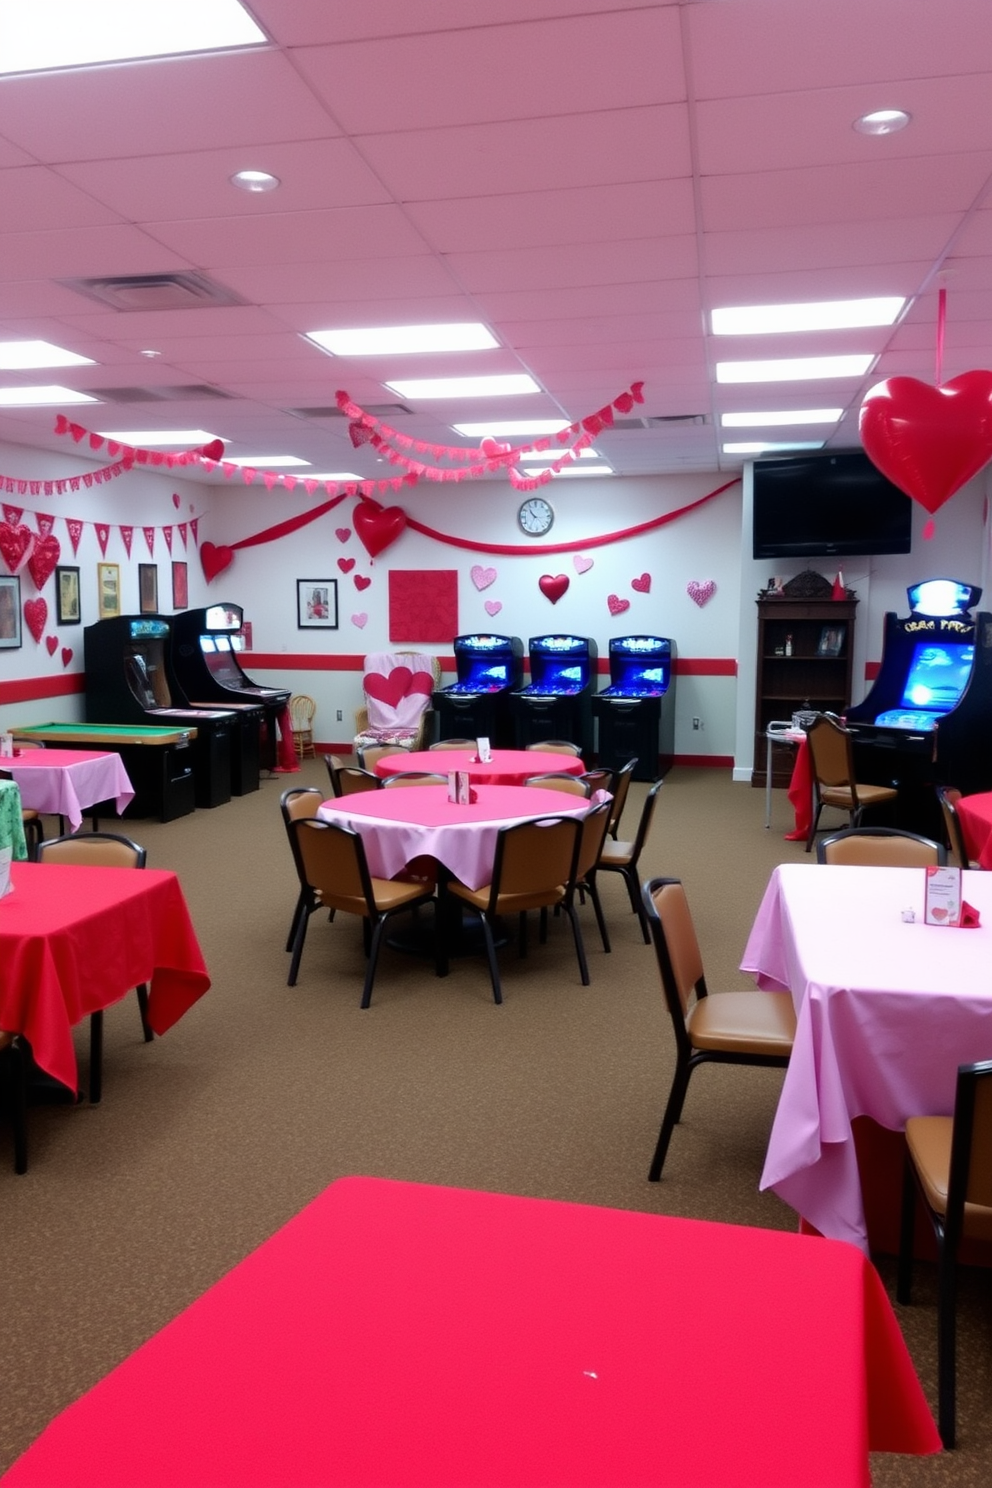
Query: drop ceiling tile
[586,264]
[386,279]
[84,251]
[147,326]
[649,297]
[376,232]
[592,330]
[297,23]
[842,245]
[547,362]
[332,313]
[35,198]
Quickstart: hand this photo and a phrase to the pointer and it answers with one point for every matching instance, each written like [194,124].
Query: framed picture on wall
[10,612]
[317,604]
[108,588]
[67,596]
[180,586]
[148,588]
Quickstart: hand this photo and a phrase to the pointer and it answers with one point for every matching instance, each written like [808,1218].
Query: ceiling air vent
[175,394]
[384,411]
[155,292]
[659,420]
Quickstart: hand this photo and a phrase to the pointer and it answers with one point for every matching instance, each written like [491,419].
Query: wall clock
[536,516]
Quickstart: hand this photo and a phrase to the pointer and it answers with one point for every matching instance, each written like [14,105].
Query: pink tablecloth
[975,816]
[419,1337]
[507,767]
[64,782]
[399,825]
[886,1013]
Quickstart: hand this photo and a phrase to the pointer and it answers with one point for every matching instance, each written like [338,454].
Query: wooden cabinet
[805,650]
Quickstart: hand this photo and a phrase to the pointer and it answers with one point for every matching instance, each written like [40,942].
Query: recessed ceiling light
[794,369]
[401,340]
[41,397]
[255,181]
[781,416]
[572,470]
[519,428]
[504,385]
[265,462]
[152,438]
[148,352]
[882,121]
[49,34]
[825,315]
[757,447]
[16,356]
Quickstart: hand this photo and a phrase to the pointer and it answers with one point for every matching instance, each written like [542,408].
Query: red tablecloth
[507,767]
[975,816]
[405,1335]
[73,940]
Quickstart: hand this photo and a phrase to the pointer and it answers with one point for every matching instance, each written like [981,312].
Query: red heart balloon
[378,526]
[214,560]
[35,616]
[553,586]
[929,440]
[44,556]
[214,450]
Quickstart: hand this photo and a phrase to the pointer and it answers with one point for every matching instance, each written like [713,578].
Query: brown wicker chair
[301,714]
[831,762]
[881,847]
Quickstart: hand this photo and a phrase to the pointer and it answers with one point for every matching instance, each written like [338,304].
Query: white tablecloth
[65,782]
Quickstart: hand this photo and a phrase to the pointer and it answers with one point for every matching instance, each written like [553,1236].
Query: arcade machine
[555,704]
[205,662]
[927,721]
[477,705]
[636,712]
[127,682]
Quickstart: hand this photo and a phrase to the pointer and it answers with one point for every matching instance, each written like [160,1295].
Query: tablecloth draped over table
[11,820]
[800,794]
[507,766]
[74,940]
[975,816]
[64,782]
[405,1335]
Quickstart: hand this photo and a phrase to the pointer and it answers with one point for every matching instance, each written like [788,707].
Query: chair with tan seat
[301,714]
[13,1089]
[555,746]
[413,777]
[333,763]
[367,755]
[454,744]
[100,850]
[298,803]
[336,877]
[754,1028]
[623,857]
[599,778]
[350,779]
[571,785]
[949,1164]
[948,798]
[881,847]
[595,825]
[831,763]
[621,786]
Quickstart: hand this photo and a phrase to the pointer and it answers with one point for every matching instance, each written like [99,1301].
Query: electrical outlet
[697,723]
[340,715]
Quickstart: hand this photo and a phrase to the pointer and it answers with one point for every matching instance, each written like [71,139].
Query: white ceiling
[588,178]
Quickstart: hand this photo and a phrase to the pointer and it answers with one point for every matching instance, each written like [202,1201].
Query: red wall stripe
[306,661]
[26,689]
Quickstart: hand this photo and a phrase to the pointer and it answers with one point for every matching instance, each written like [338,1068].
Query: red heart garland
[378,526]
[214,560]
[51,642]
[553,586]
[929,440]
[41,564]
[35,616]
[66,655]
[16,542]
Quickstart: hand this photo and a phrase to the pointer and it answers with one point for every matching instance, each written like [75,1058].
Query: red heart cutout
[16,543]
[214,560]
[642,585]
[346,564]
[35,615]
[929,440]
[553,586]
[51,642]
[361,582]
[938,912]
[342,533]
[176,498]
[66,655]
[377,526]
[616,604]
[214,450]
[44,556]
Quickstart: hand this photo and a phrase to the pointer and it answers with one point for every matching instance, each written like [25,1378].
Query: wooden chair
[717,1027]
[301,713]
[335,876]
[533,869]
[454,744]
[368,754]
[555,746]
[881,847]
[299,803]
[621,785]
[831,762]
[949,1164]
[100,850]
[13,1087]
[949,798]
[414,777]
[572,785]
[350,779]
[623,857]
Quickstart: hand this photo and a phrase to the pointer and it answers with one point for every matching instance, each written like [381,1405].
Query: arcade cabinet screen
[938,675]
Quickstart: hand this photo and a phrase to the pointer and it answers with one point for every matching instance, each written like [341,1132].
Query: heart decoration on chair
[214,560]
[698,592]
[44,556]
[929,441]
[617,605]
[16,543]
[400,683]
[35,616]
[553,586]
[482,577]
[378,526]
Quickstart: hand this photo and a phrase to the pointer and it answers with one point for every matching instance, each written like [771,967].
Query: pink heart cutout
[214,560]
[342,533]
[346,564]
[699,593]
[16,543]
[400,683]
[361,619]
[581,565]
[176,498]
[66,655]
[493,607]
[51,642]
[642,585]
[44,556]
[553,586]
[361,582]
[482,577]
[35,615]
[938,912]
[616,604]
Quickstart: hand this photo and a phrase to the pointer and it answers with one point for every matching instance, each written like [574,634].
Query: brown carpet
[211,1137]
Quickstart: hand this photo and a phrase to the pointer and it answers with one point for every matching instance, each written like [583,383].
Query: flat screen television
[829,505]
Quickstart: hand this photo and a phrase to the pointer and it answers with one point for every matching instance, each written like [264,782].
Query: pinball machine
[636,712]
[556,702]
[477,705]
[927,720]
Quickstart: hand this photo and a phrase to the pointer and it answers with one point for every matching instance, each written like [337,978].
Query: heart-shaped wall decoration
[35,616]
[44,556]
[617,605]
[700,592]
[929,440]
[342,534]
[361,582]
[400,683]
[642,585]
[214,560]
[66,655]
[581,565]
[361,619]
[51,642]
[346,564]
[16,543]
[482,577]
[553,586]
[493,607]
[176,499]
[378,526]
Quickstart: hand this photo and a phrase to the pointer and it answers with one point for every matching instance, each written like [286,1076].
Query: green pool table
[157,760]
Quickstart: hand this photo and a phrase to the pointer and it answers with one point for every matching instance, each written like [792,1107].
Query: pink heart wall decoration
[16,543]
[616,604]
[698,592]
[51,642]
[482,577]
[553,586]
[45,555]
[641,585]
[581,565]
[493,607]
[342,534]
[35,615]
[361,619]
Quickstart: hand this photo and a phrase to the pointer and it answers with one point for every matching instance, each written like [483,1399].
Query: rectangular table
[158,759]
[74,940]
[886,1011]
[65,782]
[412,1336]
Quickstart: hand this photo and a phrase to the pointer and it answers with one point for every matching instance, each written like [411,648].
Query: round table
[507,766]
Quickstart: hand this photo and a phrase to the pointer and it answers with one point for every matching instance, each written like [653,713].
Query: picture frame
[108,582]
[180,586]
[832,640]
[67,608]
[316,604]
[148,588]
[10,612]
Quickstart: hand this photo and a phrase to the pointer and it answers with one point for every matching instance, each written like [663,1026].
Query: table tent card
[6,887]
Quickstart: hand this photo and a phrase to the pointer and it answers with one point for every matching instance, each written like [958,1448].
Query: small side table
[779,731]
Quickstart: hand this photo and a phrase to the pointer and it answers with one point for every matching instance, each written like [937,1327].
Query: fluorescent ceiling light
[520,428]
[756,447]
[500,386]
[152,438]
[255,181]
[795,369]
[400,340]
[824,315]
[780,417]
[577,470]
[882,121]
[40,397]
[333,475]
[265,462]
[15,356]
[546,455]
[47,34]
